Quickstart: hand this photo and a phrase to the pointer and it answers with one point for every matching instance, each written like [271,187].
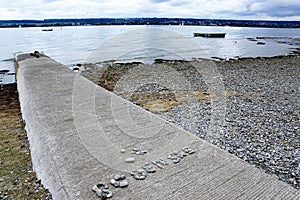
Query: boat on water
[47,29]
[210,35]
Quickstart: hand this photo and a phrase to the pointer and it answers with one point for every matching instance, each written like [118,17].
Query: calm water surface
[71,45]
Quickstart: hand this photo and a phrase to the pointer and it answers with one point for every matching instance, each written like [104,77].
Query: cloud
[276,8]
[48,1]
[159,1]
[225,9]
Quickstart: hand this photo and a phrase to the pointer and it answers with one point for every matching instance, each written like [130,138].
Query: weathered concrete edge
[49,182]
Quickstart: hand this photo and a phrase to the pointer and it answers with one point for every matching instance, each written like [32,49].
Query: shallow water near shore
[71,45]
[9,77]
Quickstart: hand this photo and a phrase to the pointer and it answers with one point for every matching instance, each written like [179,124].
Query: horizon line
[184,18]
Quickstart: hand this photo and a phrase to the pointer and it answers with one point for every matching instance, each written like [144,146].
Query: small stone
[31,192]
[95,188]
[117,177]
[183,154]
[103,196]
[163,162]
[176,160]
[99,192]
[122,177]
[109,195]
[133,173]
[141,171]
[2,179]
[151,170]
[185,148]
[112,181]
[100,184]
[122,150]
[105,186]
[123,183]
[135,149]
[105,191]
[130,160]
[143,152]
[272,162]
[117,184]
[188,150]
[192,152]
[139,175]
[157,164]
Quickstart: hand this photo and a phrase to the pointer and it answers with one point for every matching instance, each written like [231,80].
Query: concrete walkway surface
[76,130]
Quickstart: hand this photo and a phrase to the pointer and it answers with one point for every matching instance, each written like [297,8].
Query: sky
[216,9]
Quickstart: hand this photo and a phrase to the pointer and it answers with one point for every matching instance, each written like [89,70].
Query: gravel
[261,122]
[261,109]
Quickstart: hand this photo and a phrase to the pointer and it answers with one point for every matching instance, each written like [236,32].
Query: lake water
[72,45]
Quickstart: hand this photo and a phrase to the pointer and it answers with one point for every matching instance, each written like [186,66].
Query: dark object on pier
[76,68]
[210,35]
[35,54]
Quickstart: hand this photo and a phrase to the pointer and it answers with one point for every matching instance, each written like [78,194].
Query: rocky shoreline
[17,178]
[257,98]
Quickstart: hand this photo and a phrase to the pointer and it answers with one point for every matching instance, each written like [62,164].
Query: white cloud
[233,9]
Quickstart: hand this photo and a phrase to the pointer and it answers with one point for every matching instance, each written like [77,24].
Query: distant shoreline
[148,21]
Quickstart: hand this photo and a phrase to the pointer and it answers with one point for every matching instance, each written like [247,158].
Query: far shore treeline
[148,21]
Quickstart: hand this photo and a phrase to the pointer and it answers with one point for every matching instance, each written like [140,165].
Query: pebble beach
[256,99]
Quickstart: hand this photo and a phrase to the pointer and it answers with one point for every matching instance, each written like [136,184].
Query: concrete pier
[76,130]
